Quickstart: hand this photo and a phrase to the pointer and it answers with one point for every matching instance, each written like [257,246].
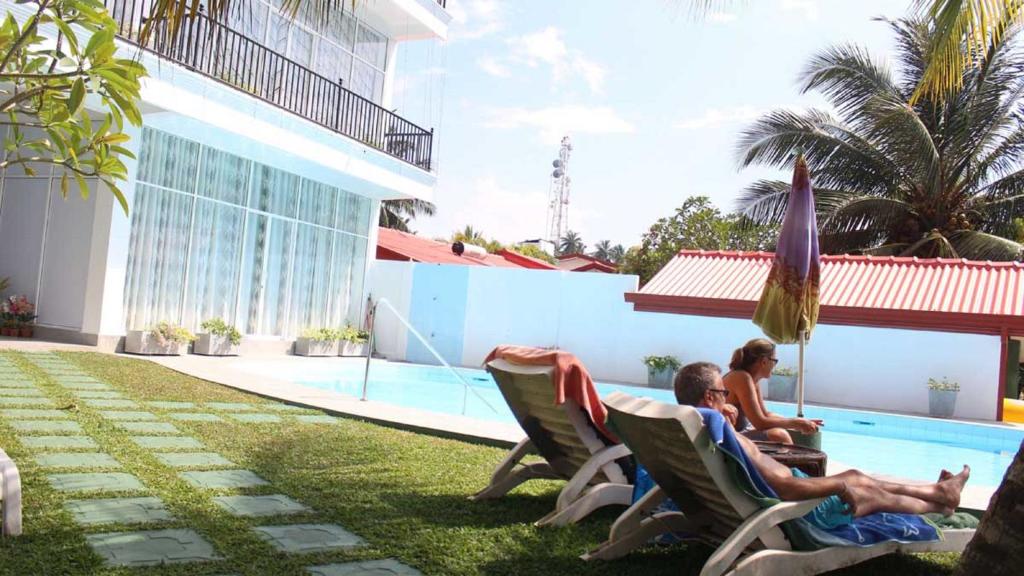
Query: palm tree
[602,250]
[397,214]
[469,235]
[929,179]
[617,253]
[571,243]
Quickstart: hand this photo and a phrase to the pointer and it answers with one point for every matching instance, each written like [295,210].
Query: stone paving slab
[58,442]
[271,505]
[167,442]
[285,408]
[219,479]
[386,567]
[109,403]
[21,392]
[232,406]
[86,386]
[66,379]
[109,394]
[171,404]
[19,401]
[95,482]
[16,382]
[309,537]
[45,426]
[316,419]
[127,416]
[149,427]
[77,460]
[30,413]
[152,547]
[120,510]
[256,418]
[195,417]
[193,459]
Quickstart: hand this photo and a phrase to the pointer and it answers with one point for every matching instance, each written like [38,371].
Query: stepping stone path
[77,460]
[272,505]
[95,482]
[309,537]
[43,429]
[196,417]
[219,479]
[387,567]
[127,416]
[120,510]
[256,418]
[58,442]
[152,547]
[193,459]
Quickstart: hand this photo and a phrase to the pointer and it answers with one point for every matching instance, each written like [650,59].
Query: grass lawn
[404,493]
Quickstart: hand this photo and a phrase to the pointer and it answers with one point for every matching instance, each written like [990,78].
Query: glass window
[249,18]
[277,34]
[168,161]
[316,203]
[341,29]
[356,215]
[347,269]
[265,273]
[364,78]
[301,47]
[371,46]
[224,177]
[310,278]
[157,253]
[332,62]
[213,263]
[274,191]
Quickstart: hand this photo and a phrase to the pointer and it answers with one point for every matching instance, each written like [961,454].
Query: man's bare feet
[945,475]
[952,486]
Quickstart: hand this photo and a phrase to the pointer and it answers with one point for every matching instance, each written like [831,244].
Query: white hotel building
[266,148]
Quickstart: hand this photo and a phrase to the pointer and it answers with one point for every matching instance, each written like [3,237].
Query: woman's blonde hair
[744,358]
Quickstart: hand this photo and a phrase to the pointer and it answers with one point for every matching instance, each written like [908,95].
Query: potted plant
[353,342]
[318,342]
[942,397]
[18,314]
[164,339]
[8,322]
[218,339]
[661,370]
[781,386]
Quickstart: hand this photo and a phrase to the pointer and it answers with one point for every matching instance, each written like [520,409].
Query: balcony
[218,52]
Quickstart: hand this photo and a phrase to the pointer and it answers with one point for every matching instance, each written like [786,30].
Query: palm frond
[848,77]
[975,245]
[932,245]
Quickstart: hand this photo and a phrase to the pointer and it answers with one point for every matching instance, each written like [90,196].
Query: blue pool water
[905,446]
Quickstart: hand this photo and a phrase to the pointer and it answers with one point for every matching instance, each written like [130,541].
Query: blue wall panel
[438,312]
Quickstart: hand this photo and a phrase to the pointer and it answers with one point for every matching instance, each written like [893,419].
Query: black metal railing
[214,50]
[443,3]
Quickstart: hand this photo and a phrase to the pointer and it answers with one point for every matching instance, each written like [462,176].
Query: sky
[652,98]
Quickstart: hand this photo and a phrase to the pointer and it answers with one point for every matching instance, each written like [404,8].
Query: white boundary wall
[586,313]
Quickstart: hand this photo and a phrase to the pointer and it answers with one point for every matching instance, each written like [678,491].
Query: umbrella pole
[800,379]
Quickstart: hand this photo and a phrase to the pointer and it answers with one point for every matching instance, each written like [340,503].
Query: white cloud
[499,212]
[547,48]
[808,8]
[721,17]
[493,67]
[554,122]
[473,19]
[716,117]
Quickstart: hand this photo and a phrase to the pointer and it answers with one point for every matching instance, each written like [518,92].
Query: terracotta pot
[25,331]
[6,331]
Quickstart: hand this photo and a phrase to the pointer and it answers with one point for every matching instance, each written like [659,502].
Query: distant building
[584,263]
[405,247]
[546,245]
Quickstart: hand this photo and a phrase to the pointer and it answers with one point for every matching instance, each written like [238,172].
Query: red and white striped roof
[948,294]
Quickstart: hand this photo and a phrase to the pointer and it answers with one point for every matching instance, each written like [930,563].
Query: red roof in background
[595,264]
[941,294]
[405,247]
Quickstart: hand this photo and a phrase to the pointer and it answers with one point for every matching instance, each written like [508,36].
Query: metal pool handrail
[369,354]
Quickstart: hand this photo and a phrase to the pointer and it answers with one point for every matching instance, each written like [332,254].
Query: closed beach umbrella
[788,308]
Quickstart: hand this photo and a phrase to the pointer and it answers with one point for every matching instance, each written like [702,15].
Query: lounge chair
[10,497]
[597,469]
[673,444]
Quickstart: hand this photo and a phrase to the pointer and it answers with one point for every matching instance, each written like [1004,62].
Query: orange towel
[571,379]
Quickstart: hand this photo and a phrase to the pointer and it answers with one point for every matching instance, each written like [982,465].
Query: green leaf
[77,97]
[119,195]
[64,184]
[83,186]
[69,35]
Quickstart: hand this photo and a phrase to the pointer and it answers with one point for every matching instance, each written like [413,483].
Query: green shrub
[166,332]
[354,335]
[659,363]
[944,385]
[218,327]
[322,334]
[784,371]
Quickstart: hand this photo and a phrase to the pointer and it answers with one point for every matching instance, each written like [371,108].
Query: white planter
[213,345]
[941,403]
[310,347]
[352,348]
[662,379]
[143,342]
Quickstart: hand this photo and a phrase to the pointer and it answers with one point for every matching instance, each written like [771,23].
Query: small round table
[812,462]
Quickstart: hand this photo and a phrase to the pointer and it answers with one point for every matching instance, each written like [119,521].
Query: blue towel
[803,532]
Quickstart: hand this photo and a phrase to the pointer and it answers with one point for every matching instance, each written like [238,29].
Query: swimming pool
[905,446]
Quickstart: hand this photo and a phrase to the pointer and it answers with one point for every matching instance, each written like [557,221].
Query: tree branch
[33,23]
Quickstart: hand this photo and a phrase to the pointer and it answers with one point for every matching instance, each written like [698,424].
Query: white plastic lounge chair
[565,437]
[673,444]
[10,497]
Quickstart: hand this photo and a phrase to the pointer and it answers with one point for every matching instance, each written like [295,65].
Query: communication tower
[558,194]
